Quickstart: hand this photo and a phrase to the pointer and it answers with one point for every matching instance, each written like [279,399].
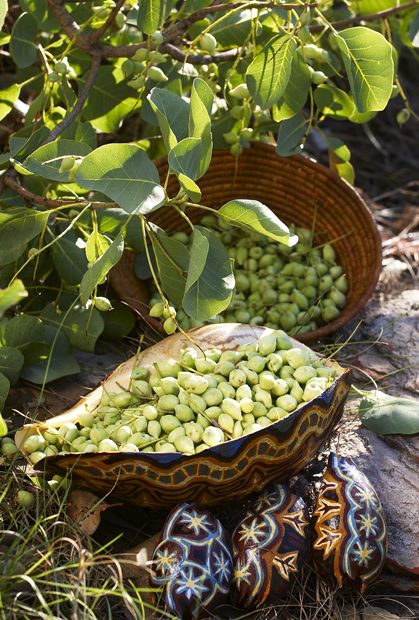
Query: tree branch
[51,202]
[84,93]
[97,34]
[197,59]
[369,17]
[69,26]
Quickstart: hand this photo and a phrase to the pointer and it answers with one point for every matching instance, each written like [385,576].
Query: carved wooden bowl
[226,472]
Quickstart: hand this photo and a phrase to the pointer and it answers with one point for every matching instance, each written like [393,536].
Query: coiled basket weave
[300,191]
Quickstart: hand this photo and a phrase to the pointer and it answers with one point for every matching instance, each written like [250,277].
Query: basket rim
[349,312]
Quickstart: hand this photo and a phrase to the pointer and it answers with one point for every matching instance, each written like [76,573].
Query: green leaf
[8,98]
[202,99]
[113,221]
[190,187]
[21,332]
[254,216]
[60,362]
[19,225]
[296,92]
[124,173]
[268,74]
[172,113]
[150,15]
[4,390]
[100,269]
[22,44]
[9,255]
[414,30]
[81,132]
[291,133]
[96,245]
[3,12]
[389,415]
[46,160]
[346,171]
[235,28]
[363,7]
[11,362]
[210,282]
[188,158]
[368,61]
[333,101]
[119,322]
[69,258]
[171,258]
[110,100]
[12,296]
[26,140]
[81,326]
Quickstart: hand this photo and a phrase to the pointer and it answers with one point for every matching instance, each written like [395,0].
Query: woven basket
[299,191]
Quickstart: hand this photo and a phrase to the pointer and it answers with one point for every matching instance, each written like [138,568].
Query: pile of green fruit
[296,289]
[193,403]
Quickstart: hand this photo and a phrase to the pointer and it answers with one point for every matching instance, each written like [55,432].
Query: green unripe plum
[157,37]
[168,368]
[280,388]
[269,297]
[98,434]
[169,386]
[196,384]
[212,380]
[185,445]
[213,412]
[283,342]
[137,82]
[85,419]
[326,283]
[197,403]
[123,434]
[296,357]
[184,413]
[342,284]
[201,447]
[226,422]
[300,299]
[237,377]
[213,436]
[170,325]
[36,456]
[252,376]
[252,428]
[318,77]
[227,390]
[326,372]
[312,390]
[244,391]
[243,316]
[267,344]
[403,116]
[304,373]
[205,365]
[264,421]
[262,396]
[267,380]
[286,402]
[330,313]
[237,112]
[194,431]
[177,432]
[231,137]
[8,449]
[276,413]
[52,436]
[224,367]
[140,424]
[123,399]
[148,449]
[309,292]
[128,67]
[208,43]
[259,409]
[232,407]
[25,498]
[297,392]
[157,309]
[150,412]
[168,402]
[213,396]
[168,423]
[107,445]
[140,439]
[181,237]
[337,297]
[248,418]
[237,430]
[240,91]
[246,405]
[286,371]
[256,363]
[154,427]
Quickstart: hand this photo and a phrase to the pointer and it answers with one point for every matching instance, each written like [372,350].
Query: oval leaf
[12,295]
[22,43]
[268,74]
[389,415]
[18,225]
[291,134]
[254,216]
[4,390]
[368,61]
[172,113]
[8,98]
[100,268]
[11,362]
[124,173]
[210,282]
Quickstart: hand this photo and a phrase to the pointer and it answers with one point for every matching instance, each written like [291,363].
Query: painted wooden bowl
[350,541]
[192,562]
[270,546]
[226,472]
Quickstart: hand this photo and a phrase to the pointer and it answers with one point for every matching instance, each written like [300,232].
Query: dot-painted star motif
[363,553]
[253,532]
[368,524]
[190,585]
[366,496]
[222,566]
[194,521]
[241,574]
[165,560]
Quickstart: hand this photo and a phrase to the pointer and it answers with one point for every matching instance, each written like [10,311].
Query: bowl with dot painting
[225,472]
